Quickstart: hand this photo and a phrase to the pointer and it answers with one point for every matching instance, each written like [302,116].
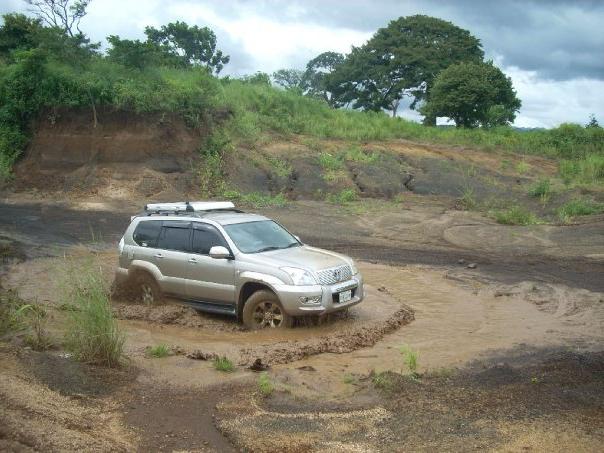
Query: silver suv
[219,259]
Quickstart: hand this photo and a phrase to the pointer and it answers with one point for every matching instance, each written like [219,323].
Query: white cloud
[548,103]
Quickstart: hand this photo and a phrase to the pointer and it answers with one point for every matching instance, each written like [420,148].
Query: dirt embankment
[123,153]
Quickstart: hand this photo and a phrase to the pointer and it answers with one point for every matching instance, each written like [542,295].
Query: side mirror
[218,252]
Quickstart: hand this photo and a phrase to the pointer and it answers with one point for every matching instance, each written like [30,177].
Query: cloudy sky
[553,50]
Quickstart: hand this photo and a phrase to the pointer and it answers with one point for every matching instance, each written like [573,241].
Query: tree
[473,94]
[133,53]
[191,45]
[18,33]
[258,78]
[64,14]
[290,79]
[593,122]
[401,60]
[317,78]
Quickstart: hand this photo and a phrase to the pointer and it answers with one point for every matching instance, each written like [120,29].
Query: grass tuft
[579,207]
[516,215]
[343,197]
[223,364]
[160,351]
[265,385]
[92,334]
[410,356]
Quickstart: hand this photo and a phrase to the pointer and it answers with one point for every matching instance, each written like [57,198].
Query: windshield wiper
[266,249]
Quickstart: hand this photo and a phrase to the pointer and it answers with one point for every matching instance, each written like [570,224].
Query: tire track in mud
[339,343]
[342,340]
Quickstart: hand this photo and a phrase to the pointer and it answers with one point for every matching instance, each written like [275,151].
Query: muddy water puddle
[452,326]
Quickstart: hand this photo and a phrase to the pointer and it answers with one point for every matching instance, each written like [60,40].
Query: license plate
[345,296]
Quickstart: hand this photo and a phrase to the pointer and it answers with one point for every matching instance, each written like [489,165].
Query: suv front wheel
[263,310]
[146,289]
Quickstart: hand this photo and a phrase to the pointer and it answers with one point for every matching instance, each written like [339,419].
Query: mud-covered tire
[146,289]
[263,310]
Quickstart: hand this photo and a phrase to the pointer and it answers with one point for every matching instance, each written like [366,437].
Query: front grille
[334,275]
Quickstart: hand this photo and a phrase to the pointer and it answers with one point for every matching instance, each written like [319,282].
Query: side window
[175,236]
[146,233]
[205,237]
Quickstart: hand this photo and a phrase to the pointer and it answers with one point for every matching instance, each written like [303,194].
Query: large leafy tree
[135,53]
[317,78]
[473,94]
[290,79]
[403,59]
[191,45]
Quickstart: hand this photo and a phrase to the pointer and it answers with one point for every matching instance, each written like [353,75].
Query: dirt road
[508,352]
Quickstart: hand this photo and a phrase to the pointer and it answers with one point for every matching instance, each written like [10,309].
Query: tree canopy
[192,45]
[403,59]
[473,94]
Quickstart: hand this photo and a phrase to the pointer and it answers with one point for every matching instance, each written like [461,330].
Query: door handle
[159,255]
[192,260]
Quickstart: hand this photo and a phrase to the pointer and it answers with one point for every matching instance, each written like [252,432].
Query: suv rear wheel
[263,310]
[146,289]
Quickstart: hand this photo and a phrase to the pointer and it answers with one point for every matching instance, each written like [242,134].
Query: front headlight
[300,277]
[353,268]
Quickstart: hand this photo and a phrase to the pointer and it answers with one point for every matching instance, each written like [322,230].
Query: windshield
[262,236]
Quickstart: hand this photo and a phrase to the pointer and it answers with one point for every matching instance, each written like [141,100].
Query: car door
[173,247]
[209,280]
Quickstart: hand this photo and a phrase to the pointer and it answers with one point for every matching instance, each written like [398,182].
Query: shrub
[516,215]
[223,364]
[92,334]
[579,207]
[589,169]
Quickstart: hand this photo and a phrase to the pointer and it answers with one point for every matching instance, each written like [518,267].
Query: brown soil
[540,401]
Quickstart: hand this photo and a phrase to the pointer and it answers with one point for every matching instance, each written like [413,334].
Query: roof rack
[190,208]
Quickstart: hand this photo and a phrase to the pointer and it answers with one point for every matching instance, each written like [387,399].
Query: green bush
[92,334]
[265,385]
[516,215]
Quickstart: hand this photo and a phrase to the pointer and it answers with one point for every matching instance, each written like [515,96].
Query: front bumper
[290,296]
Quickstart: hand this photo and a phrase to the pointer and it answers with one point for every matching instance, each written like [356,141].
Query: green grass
[522,167]
[343,197]
[468,198]
[356,154]
[410,357]
[223,364]
[330,162]
[13,313]
[159,351]
[265,385]
[516,215]
[586,170]
[280,167]
[349,379]
[541,189]
[579,207]
[92,333]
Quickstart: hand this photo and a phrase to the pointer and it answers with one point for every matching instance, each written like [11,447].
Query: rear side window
[205,237]
[147,232]
[175,236]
